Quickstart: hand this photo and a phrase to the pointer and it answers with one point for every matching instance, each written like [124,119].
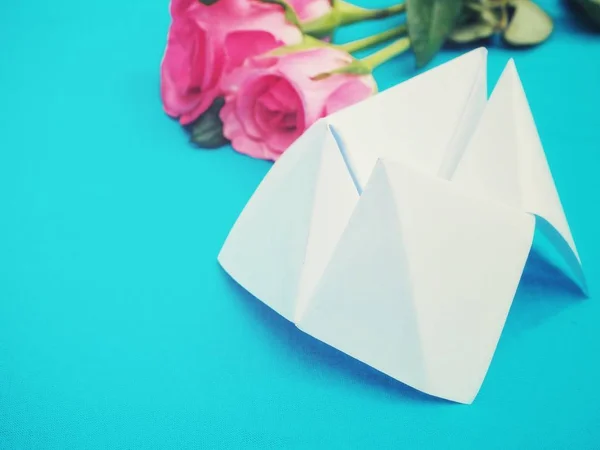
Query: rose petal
[257,149]
[206,100]
[242,44]
[265,119]
[234,131]
[248,93]
[262,16]
[271,102]
[310,63]
[190,71]
[263,62]
[179,7]
[310,9]
[232,127]
[283,92]
[352,91]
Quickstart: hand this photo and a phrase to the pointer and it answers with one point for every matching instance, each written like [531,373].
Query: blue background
[118,329]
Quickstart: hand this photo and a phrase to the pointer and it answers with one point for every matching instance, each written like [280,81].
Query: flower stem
[387,53]
[344,14]
[373,40]
[350,13]
[320,27]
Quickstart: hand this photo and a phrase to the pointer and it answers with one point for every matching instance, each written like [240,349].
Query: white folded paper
[397,230]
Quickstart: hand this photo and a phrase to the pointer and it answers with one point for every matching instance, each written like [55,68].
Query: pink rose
[271,100]
[308,10]
[205,42]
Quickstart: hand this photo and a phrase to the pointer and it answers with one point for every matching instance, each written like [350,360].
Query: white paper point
[505,161]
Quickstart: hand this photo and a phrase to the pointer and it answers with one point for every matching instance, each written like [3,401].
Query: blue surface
[119,330]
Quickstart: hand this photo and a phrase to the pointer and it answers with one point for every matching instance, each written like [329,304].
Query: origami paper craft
[397,230]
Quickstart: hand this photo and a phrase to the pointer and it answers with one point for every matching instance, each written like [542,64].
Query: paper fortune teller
[397,229]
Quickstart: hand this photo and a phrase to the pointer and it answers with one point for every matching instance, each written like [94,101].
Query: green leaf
[207,130]
[467,15]
[591,8]
[429,24]
[208,2]
[471,32]
[290,14]
[529,25]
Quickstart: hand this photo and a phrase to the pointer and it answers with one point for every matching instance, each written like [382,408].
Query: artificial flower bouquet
[258,73]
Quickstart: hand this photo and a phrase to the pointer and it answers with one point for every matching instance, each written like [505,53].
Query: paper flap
[423,120]
[264,251]
[334,200]
[394,294]
[285,235]
[466,257]
[362,305]
[505,161]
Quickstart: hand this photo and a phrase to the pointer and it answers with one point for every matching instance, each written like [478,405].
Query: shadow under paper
[331,363]
[552,281]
